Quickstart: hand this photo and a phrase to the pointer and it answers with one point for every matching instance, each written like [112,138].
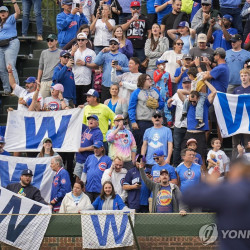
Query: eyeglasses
[150,79]
[50,40]
[81,40]
[180,44]
[157,116]
[135,8]
[66,57]
[205,4]
[113,44]
[156,158]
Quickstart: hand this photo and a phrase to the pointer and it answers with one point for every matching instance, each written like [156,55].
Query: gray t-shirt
[53,104]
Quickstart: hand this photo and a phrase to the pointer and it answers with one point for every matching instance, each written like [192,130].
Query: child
[217,157]
[163,84]
[192,144]
[244,152]
[199,86]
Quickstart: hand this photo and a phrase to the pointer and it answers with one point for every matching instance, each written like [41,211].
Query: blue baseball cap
[186,79]
[64,53]
[183,24]
[30,79]
[158,152]
[67,2]
[27,172]
[93,116]
[92,92]
[2,140]
[98,144]
[228,17]
[161,61]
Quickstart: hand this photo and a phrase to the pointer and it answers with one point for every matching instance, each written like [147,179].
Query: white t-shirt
[88,7]
[221,157]
[27,97]
[178,113]
[82,74]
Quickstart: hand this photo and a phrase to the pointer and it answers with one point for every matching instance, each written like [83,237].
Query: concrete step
[37,53]
[31,71]
[9,100]
[30,63]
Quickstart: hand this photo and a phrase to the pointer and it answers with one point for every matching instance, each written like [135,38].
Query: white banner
[26,130]
[232,112]
[11,168]
[22,231]
[106,229]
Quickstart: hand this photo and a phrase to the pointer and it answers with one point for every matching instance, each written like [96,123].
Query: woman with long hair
[47,150]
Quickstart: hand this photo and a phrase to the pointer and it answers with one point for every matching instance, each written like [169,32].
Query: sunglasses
[234,41]
[50,40]
[157,116]
[81,40]
[205,4]
[66,57]
[156,158]
[135,8]
[180,44]
[113,44]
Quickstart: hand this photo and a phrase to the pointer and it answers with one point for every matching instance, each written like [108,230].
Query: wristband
[61,100]
[10,72]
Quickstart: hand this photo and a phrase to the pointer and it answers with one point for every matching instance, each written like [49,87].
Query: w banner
[22,224]
[106,229]
[11,168]
[26,130]
[233,113]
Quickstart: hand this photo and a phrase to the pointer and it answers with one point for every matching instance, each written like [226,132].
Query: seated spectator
[192,144]
[108,199]
[47,149]
[121,143]
[2,143]
[9,45]
[102,27]
[75,201]
[116,174]
[125,45]
[88,8]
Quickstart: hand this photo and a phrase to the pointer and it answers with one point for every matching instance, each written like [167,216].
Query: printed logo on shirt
[154,143]
[164,197]
[195,4]
[73,23]
[102,166]
[89,3]
[122,181]
[63,181]
[136,29]
[86,136]
[220,157]
[54,106]
[55,182]
[88,59]
[189,174]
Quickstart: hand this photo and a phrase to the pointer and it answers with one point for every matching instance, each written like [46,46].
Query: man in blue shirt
[162,8]
[2,143]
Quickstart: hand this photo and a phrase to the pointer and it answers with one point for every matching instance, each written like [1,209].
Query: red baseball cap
[135,4]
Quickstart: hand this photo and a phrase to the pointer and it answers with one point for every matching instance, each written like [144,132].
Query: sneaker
[183,117]
[39,38]
[200,125]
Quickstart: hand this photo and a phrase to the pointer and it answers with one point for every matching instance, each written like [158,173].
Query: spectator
[47,149]
[126,11]
[221,38]
[200,21]
[94,167]
[90,134]
[244,152]
[116,174]
[121,143]
[88,8]
[108,199]
[83,62]
[61,183]
[128,80]
[68,22]
[75,201]
[157,137]
[247,43]
[151,14]
[166,196]
[162,8]
[138,193]
[2,144]
[245,14]
[37,4]
[9,45]
[49,59]
[192,144]
[137,28]
[154,48]
[25,189]
[125,45]
[63,74]
[235,59]
[104,58]
[102,26]
[143,103]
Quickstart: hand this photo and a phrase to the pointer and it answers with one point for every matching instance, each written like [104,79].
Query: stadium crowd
[147,85]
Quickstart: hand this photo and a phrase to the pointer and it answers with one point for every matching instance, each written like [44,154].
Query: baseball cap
[236,38]
[114,39]
[64,53]
[138,158]
[202,38]
[118,117]
[52,36]
[92,92]
[2,140]
[187,56]
[30,79]
[183,24]
[98,144]
[161,61]
[4,8]
[158,152]
[27,172]
[220,51]
[191,140]
[66,2]
[47,139]
[82,35]
[93,116]
[186,79]
[157,112]
[58,86]
[206,1]
[163,171]
[228,17]
[135,4]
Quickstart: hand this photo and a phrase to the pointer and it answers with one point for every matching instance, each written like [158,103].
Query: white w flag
[22,231]
[11,168]
[26,130]
[232,112]
[106,229]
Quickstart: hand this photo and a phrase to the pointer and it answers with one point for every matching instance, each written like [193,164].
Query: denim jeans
[8,55]
[178,136]
[97,49]
[26,14]
[122,17]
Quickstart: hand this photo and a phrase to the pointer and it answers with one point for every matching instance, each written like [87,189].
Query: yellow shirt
[104,114]
[200,84]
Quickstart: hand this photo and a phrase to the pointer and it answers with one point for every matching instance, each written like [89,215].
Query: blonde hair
[245,71]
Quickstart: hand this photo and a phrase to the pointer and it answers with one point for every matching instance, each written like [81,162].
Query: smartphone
[77,5]
[101,8]
[115,62]
[139,183]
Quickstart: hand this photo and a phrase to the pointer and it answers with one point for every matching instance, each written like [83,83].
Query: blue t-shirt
[188,176]
[164,202]
[235,62]
[155,172]
[220,78]
[157,138]
[177,73]
[220,41]
[5,153]
[196,7]
[186,47]
[240,90]
[111,106]
[198,159]
[151,7]
[230,3]
[9,28]
[164,12]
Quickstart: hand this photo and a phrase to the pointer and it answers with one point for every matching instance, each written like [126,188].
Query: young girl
[192,144]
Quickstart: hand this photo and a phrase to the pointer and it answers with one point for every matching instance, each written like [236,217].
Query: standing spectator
[102,26]
[137,28]
[121,143]
[151,14]
[126,11]
[49,59]
[2,143]
[83,60]
[9,45]
[61,183]
[63,74]
[143,103]
[93,170]
[47,149]
[235,59]
[37,4]
[88,8]
[106,59]
[68,22]
[245,13]
[162,8]
[157,137]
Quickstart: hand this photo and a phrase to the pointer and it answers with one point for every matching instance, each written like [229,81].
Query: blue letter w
[48,124]
[102,238]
